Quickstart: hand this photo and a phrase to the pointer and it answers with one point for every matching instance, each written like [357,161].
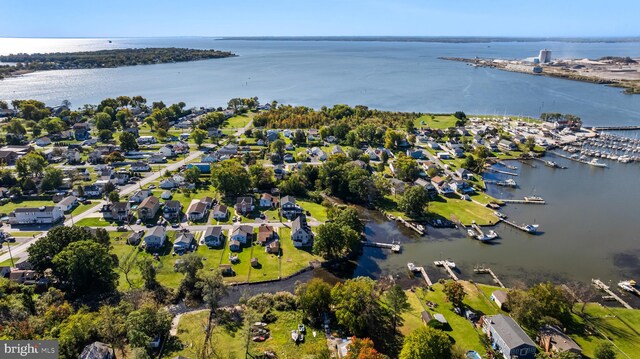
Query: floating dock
[450,271]
[483,270]
[395,247]
[513,224]
[598,283]
[418,228]
[502,172]
[522,201]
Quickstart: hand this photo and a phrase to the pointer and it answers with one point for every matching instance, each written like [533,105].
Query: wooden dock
[425,276]
[598,283]
[522,201]
[395,247]
[483,270]
[513,224]
[502,172]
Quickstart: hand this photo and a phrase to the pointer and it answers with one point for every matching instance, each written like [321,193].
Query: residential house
[43,141]
[443,155]
[241,233]
[266,233]
[500,297]
[319,154]
[463,174]
[373,155]
[166,195]
[68,203]
[506,145]
[462,187]
[140,195]
[289,208]
[148,209]
[508,338]
[23,276]
[168,183]
[146,140]
[397,186]
[243,205]
[336,150]
[140,167]
[81,131]
[220,212]
[553,340]
[183,242]
[155,238]
[213,236]
[73,156]
[234,245]
[426,317]
[89,191]
[172,210]
[313,134]
[273,247]
[415,154]
[184,136]
[208,201]
[98,350]
[120,211]
[209,158]
[197,211]
[121,178]
[434,145]
[301,234]
[268,200]
[156,159]
[36,215]
[166,151]
[8,158]
[288,158]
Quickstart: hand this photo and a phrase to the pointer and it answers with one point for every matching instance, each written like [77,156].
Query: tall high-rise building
[544,56]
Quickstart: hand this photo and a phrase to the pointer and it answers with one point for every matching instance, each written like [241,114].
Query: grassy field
[11,206]
[437,121]
[82,208]
[24,233]
[463,211]
[621,326]
[317,211]
[94,222]
[232,342]
[238,121]
[462,331]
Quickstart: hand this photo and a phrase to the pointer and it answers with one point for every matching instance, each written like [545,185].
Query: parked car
[121,229]
[139,221]
[151,186]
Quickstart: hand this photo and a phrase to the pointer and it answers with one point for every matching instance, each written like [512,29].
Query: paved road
[18,250]
[225,226]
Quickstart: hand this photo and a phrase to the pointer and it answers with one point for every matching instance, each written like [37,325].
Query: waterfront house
[140,167]
[552,340]
[220,212]
[266,233]
[397,186]
[268,200]
[241,233]
[506,145]
[462,187]
[183,242]
[148,209]
[68,203]
[500,297]
[155,238]
[243,205]
[463,174]
[36,215]
[140,196]
[213,236]
[197,211]
[508,338]
[172,210]
[288,207]
[301,234]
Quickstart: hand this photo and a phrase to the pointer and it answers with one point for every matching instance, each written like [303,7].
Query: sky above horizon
[146,18]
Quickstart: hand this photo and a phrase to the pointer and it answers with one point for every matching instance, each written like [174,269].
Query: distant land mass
[450,39]
[24,63]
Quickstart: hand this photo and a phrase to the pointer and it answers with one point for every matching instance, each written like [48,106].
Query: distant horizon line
[389,38]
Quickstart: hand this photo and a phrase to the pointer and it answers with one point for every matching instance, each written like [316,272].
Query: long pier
[503,172]
[451,273]
[522,201]
[616,128]
[513,224]
[395,247]
[598,283]
[425,276]
[483,270]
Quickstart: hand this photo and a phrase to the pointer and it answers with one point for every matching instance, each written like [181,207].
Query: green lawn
[82,208]
[293,259]
[94,222]
[11,206]
[238,121]
[19,233]
[463,211]
[437,121]
[317,211]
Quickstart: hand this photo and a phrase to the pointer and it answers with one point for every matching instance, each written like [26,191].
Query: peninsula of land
[621,72]
[24,63]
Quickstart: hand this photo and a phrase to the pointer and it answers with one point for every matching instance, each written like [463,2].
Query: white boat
[594,162]
[450,263]
[471,233]
[626,285]
[295,335]
[438,263]
[500,214]
[531,228]
[492,235]
[411,266]
[533,199]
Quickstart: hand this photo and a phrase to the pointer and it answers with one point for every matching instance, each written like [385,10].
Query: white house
[140,167]
[43,141]
[155,237]
[166,151]
[241,233]
[67,203]
[139,196]
[36,215]
[167,184]
[146,140]
[301,234]
[220,211]
[213,236]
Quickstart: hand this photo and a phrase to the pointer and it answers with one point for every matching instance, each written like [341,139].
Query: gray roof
[68,200]
[120,206]
[299,223]
[500,295]
[158,231]
[172,204]
[97,350]
[34,209]
[510,332]
[185,238]
[439,317]
[287,200]
[215,231]
[559,340]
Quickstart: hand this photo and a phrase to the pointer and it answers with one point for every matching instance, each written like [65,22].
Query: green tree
[114,196]
[347,217]
[397,302]
[199,136]
[75,332]
[455,293]
[52,178]
[56,240]
[314,298]
[299,138]
[605,351]
[53,125]
[192,175]
[190,264]
[144,324]
[413,201]
[105,135]
[112,326]
[356,305]
[103,121]
[86,267]
[261,177]
[277,147]
[128,142]
[31,165]
[406,168]
[334,240]
[392,139]
[15,127]
[426,343]
[230,177]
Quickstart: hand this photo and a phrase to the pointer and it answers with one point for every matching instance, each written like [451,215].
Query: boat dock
[513,224]
[424,274]
[418,228]
[477,229]
[525,162]
[598,283]
[616,128]
[447,268]
[522,201]
[395,247]
[503,172]
[483,270]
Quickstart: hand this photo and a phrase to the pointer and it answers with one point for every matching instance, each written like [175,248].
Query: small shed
[254,262]
[226,269]
[439,317]
[426,317]
[500,297]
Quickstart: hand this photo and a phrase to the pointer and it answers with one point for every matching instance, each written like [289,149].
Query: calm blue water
[386,75]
